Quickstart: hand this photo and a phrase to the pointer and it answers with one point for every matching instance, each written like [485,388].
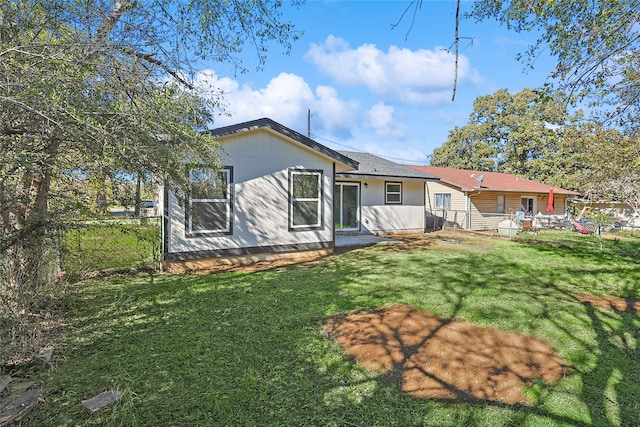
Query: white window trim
[293,199]
[227,202]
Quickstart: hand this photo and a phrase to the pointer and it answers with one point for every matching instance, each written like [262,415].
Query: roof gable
[467,180]
[266,123]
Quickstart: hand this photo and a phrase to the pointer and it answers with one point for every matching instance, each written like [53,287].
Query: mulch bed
[629,305]
[428,356]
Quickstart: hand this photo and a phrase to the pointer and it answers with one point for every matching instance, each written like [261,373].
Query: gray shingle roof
[374,166]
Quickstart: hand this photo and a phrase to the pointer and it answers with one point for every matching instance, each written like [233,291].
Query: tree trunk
[138,200]
[102,203]
[31,262]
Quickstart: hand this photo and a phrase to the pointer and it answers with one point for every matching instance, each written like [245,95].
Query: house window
[210,201]
[443,201]
[393,192]
[305,199]
[526,205]
[502,203]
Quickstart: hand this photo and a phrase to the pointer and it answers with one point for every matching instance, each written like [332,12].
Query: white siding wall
[261,162]
[378,217]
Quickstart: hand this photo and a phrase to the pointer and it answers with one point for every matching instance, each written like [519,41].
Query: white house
[380,197]
[272,197]
[281,194]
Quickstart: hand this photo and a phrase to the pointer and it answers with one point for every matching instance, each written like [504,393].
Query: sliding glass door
[346,208]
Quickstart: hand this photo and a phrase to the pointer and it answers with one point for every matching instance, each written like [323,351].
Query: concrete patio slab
[362,240]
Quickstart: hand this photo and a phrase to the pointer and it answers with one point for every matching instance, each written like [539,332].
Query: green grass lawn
[247,349]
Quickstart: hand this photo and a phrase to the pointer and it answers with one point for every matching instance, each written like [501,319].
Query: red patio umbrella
[550,202]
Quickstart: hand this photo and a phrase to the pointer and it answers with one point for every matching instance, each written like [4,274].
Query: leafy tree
[532,135]
[597,48]
[605,164]
[596,44]
[517,133]
[88,87]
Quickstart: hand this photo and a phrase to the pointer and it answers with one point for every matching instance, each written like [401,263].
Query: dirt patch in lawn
[629,305]
[428,356]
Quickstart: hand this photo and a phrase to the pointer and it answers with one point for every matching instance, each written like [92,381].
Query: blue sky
[373,88]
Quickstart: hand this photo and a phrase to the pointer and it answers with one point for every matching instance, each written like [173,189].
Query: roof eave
[285,131]
[384,176]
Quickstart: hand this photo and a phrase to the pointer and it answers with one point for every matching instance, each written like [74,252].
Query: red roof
[468,180]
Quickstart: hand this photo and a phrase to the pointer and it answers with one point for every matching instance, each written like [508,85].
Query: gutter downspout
[468,209]
[426,184]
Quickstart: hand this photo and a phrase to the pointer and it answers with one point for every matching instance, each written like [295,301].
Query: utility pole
[308,122]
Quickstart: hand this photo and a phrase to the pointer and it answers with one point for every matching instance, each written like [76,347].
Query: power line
[336,143]
[361,151]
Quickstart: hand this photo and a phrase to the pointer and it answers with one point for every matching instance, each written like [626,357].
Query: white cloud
[413,77]
[285,99]
[333,114]
[380,118]
[209,82]
[384,128]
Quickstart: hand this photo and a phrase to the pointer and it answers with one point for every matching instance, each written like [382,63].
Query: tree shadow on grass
[432,357]
[608,364]
[247,348]
[611,386]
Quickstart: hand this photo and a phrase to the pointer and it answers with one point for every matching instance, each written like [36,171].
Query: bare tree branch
[149,58]
[415,4]
[457,41]
[112,19]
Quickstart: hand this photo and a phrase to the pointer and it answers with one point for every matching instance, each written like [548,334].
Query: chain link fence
[111,245]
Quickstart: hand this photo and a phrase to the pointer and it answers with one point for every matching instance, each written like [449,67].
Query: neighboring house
[619,212]
[272,197]
[476,200]
[380,197]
